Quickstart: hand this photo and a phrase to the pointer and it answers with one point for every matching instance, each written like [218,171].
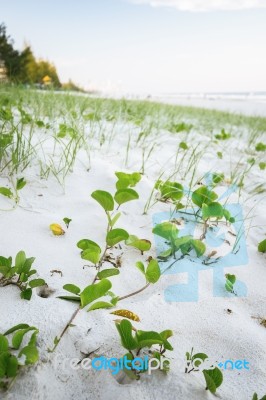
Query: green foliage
[19,274]
[115,236]
[262,166]
[127,180]
[105,199]
[262,246]
[11,361]
[255,397]
[141,339]
[203,195]
[106,273]
[152,272]
[91,251]
[260,147]
[140,244]
[223,135]
[67,221]
[125,195]
[180,127]
[213,210]
[170,190]
[185,244]
[213,378]
[229,283]
[91,293]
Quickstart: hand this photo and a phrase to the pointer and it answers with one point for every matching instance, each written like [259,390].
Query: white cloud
[205,5]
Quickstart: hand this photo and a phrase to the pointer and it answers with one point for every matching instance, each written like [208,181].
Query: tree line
[22,66]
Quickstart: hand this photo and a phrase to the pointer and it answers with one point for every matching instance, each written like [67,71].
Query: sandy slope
[205,324]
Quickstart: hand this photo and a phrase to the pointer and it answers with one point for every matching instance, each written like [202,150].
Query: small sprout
[223,135]
[183,145]
[262,166]
[152,272]
[229,283]
[12,361]
[67,221]
[219,154]
[255,397]
[57,229]
[19,274]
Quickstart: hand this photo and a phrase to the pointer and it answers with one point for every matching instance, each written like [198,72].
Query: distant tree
[45,68]
[29,66]
[9,55]
[22,66]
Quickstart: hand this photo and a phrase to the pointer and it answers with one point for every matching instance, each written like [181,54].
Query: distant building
[46,80]
[3,72]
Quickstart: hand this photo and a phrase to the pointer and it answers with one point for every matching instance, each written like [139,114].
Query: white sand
[205,324]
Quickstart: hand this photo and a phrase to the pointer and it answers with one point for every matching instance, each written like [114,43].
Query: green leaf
[124,195]
[36,283]
[67,221]
[93,292]
[4,357]
[15,328]
[165,254]
[170,190]
[181,241]
[6,192]
[3,343]
[255,396]
[153,272]
[262,246]
[231,278]
[31,354]
[20,260]
[203,196]
[198,357]
[100,304]
[91,250]
[70,298]
[105,199]
[198,246]
[260,147]
[140,266]
[26,294]
[140,244]
[148,339]
[213,210]
[106,273]
[125,331]
[213,378]
[115,236]
[72,288]
[20,183]
[115,219]
[166,230]
[12,367]
[19,335]
[85,244]
[125,180]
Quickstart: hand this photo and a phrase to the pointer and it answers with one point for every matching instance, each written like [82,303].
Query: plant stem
[133,293]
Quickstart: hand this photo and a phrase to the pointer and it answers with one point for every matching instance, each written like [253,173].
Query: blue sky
[131,45]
